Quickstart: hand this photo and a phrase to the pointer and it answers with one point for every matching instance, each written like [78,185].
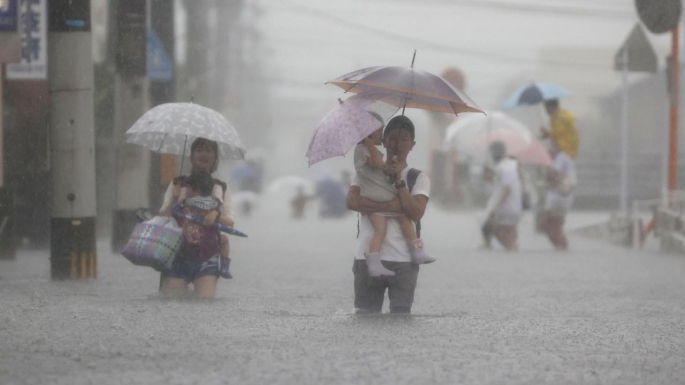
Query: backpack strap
[412,176]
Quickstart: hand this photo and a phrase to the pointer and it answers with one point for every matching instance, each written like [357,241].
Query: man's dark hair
[201,181]
[399,122]
[552,103]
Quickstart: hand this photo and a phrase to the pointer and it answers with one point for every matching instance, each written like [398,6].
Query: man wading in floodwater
[413,189]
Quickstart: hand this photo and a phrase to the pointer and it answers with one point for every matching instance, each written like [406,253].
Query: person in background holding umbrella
[369,292]
[563,131]
[561,178]
[203,156]
[505,204]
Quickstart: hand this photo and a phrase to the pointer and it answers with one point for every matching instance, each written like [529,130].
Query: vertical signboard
[8,15]
[33,27]
[10,43]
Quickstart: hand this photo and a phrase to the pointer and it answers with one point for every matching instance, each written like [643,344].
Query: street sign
[659,16]
[641,55]
[10,41]
[159,66]
[34,43]
[74,16]
[8,16]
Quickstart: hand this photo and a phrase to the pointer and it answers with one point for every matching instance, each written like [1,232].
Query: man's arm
[356,202]
[413,206]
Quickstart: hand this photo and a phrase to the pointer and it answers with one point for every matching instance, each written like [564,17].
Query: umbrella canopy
[408,87]
[463,133]
[346,125]
[467,128]
[513,140]
[521,146]
[536,153]
[171,128]
[535,93]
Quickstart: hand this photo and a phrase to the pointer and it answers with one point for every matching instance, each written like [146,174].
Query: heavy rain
[341,192]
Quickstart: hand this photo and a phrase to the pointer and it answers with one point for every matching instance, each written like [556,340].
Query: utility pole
[72,141]
[197,57]
[130,103]
[10,52]
[673,116]
[162,90]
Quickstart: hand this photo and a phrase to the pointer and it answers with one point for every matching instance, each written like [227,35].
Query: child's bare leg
[373,257]
[418,254]
[407,227]
[225,261]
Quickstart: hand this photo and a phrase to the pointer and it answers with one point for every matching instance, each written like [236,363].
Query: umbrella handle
[177,210]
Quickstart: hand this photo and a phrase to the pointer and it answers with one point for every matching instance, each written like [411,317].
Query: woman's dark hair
[212,145]
[201,181]
[399,122]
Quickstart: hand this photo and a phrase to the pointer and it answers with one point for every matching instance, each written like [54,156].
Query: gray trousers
[369,292]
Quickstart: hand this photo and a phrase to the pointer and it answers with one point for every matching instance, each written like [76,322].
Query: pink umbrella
[344,127]
[521,146]
[515,141]
[536,153]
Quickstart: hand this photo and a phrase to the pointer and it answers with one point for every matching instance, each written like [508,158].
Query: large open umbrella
[172,127]
[461,135]
[521,146]
[535,93]
[408,87]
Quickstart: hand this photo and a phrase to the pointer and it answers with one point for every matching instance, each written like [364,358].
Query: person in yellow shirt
[563,131]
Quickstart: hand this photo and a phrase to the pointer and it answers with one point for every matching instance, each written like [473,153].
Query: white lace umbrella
[171,128]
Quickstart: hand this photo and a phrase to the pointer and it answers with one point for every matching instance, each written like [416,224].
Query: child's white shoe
[376,268]
[418,254]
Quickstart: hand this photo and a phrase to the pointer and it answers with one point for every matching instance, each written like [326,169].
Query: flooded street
[596,314]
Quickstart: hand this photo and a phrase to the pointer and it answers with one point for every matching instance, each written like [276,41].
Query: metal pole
[72,141]
[130,103]
[624,132]
[673,132]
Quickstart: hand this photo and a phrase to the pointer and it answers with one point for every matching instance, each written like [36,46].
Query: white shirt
[556,201]
[506,175]
[394,247]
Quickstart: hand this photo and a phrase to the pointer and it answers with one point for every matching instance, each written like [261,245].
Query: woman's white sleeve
[168,198]
[226,208]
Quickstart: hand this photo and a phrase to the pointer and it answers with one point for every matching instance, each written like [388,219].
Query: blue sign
[159,66]
[8,16]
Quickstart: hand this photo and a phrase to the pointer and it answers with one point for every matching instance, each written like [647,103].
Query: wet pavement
[594,315]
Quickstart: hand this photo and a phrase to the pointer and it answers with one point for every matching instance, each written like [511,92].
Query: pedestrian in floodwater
[504,206]
[561,180]
[413,190]
[204,155]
